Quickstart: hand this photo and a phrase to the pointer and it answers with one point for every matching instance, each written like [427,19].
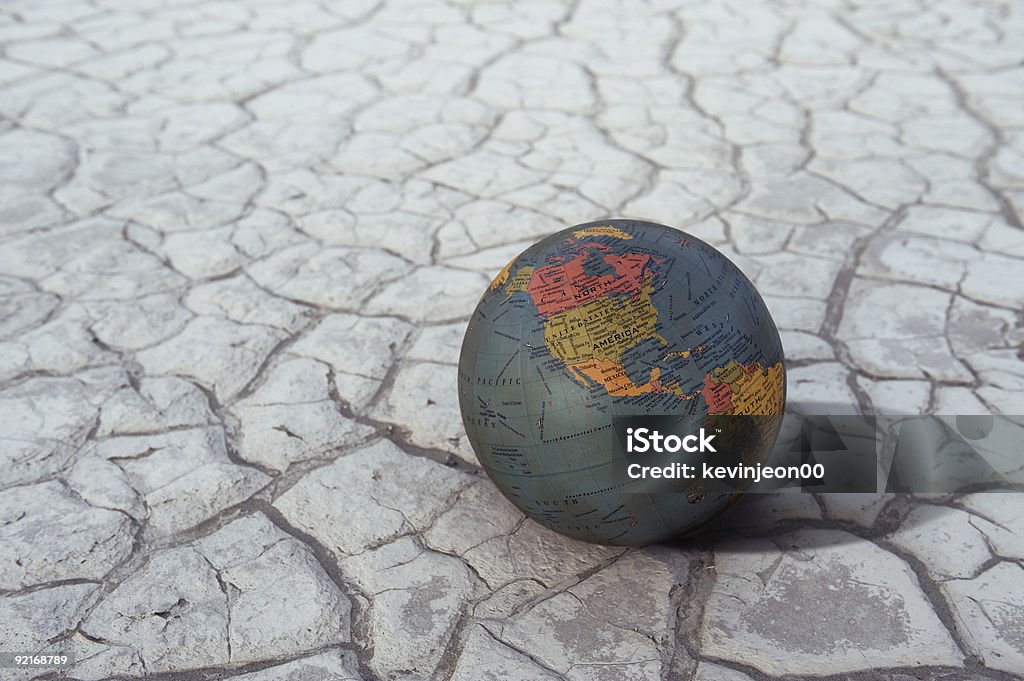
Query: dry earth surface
[239,243]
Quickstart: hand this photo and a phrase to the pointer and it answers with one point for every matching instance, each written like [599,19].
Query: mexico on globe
[610,363]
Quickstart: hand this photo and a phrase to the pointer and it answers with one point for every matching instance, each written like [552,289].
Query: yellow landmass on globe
[519,282]
[502,276]
[606,230]
[749,390]
[745,390]
[758,392]
[612,376]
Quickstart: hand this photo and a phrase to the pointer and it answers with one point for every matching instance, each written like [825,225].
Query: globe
[599,326]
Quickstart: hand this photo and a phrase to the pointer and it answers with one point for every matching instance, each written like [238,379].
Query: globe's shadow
[758,516]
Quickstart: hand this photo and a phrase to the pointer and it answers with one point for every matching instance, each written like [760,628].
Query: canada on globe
[599,326]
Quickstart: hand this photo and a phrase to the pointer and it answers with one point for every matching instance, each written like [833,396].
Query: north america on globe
[599,324]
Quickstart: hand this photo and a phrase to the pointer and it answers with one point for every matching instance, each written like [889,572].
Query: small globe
[599,324]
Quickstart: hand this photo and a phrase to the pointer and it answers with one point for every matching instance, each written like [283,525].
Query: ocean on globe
[594,326]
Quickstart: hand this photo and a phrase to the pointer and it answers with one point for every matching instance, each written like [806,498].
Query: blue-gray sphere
[592,326]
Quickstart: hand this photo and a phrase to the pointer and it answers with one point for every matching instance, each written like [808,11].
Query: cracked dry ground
[240,243]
